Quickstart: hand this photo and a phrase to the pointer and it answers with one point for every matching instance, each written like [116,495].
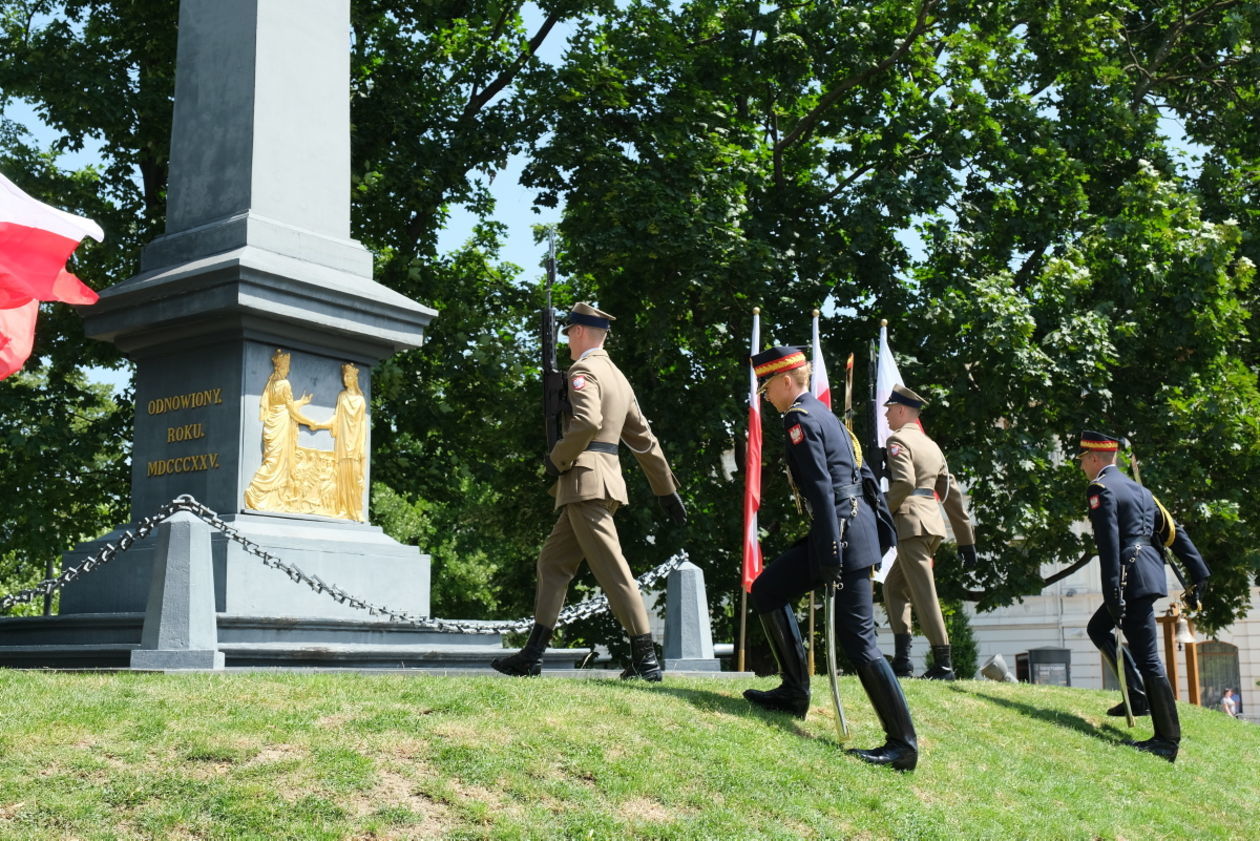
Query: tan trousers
[585,531]
[911,583]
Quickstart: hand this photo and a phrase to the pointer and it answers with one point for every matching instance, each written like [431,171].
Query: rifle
[555,386]
[874,454]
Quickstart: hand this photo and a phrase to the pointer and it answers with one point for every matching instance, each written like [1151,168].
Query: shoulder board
[1097,484]
[803,411]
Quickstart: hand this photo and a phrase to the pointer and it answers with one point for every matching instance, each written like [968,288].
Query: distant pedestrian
[1228,705]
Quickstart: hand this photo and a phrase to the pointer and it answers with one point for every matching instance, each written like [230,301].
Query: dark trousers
[1139,632]
[788,577]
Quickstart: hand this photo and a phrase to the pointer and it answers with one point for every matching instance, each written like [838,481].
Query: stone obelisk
[257,272]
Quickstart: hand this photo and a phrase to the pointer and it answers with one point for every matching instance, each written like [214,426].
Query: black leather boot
[643,662]
[942,664]
[1137,688]
[792,696]
[528,661]
[901,747]
[901,665]
[1167,738]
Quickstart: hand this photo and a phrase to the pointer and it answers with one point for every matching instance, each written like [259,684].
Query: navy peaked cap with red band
[587,316]
[1098,442]
[906,397]
[776,360]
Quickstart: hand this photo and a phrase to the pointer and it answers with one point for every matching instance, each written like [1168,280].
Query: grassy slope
[243,756]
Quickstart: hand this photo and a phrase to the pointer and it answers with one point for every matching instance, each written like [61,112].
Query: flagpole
[750,566]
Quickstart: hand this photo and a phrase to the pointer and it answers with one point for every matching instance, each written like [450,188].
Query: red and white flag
[36,240]
[752,470]
[886,376]
[818,385]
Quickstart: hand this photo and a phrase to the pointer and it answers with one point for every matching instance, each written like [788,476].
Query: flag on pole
[36,240]
[752,468]
[886,376]
[819,386]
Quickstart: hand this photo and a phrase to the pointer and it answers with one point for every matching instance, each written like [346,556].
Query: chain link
[583,610]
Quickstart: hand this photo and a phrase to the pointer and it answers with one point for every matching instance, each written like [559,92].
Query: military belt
[602,447]
[846,492]
[924,492]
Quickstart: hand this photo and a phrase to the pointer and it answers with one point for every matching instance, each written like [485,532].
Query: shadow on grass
[720,702]
[1106,732]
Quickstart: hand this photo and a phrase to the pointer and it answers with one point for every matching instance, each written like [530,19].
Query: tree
[993,176]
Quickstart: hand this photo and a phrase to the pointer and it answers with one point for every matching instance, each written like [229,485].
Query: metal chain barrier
[582,610]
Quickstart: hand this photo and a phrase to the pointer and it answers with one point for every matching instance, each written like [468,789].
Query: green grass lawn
[344,756]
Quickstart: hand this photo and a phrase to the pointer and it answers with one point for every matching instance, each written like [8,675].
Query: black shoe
[789,651]
[528,661]
[901,665]
[784,698]
[1164,748]
[942,664]
[643,662]
[901,747]
[1118,710]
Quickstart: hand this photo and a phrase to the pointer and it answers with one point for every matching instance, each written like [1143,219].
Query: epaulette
[800,409]
[1097,482]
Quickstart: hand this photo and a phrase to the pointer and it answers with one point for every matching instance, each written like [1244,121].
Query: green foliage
[256,756]
[992,176]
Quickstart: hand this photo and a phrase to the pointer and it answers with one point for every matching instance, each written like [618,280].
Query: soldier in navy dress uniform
[1131,530]
[848,517]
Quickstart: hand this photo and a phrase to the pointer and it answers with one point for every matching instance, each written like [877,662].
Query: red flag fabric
[17,335]
[819,386]
[35,242]
[752,471]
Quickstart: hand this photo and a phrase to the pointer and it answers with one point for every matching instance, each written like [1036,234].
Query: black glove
[967,556]
[1116,609]
[1195,595]
[550,467]
[672,505]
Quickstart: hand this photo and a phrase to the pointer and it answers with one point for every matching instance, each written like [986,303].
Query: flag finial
[883,322]
[756,310]
[816,313]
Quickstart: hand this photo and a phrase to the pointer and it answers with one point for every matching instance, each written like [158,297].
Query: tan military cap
[905,397]
[586,315]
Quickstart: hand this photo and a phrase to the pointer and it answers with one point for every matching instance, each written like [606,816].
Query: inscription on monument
[184,432]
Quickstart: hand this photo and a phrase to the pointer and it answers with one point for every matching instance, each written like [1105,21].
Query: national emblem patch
[894,449]
[796,434]
[578,382]
[1095,501]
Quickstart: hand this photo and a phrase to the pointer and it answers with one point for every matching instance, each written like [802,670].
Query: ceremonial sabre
[842,725]
[1124,684]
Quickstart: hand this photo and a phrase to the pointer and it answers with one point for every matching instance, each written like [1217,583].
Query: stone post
[180,630]
[688,633]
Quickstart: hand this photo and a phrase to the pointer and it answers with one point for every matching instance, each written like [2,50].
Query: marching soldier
[1131,530]
[589,489]
[825,464]
[918,478]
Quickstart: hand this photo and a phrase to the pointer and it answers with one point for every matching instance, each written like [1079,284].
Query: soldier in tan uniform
[589,489]
[919,479]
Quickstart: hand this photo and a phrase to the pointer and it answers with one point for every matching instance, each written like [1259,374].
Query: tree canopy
[1002,180]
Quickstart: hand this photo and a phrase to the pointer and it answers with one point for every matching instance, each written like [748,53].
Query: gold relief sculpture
[304,480]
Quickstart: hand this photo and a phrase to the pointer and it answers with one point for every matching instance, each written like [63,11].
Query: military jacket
[823,463]
[1131,529]
[916,463]
[604,410]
